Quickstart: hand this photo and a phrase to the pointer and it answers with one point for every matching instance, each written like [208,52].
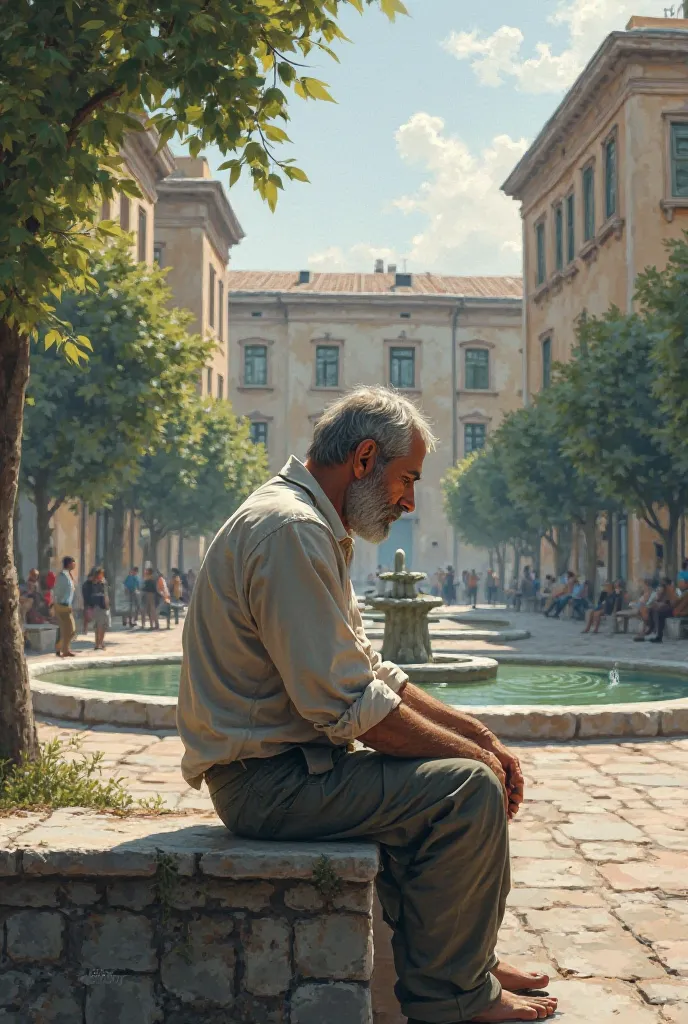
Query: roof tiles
[287,282]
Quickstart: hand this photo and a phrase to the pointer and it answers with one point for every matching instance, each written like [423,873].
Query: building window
[259,433]
[209,380]
[473,437]
[559,236]
[256,313]
[679,160]
[143,235]
[157,253]
[610,178]
[221,310]
[477,369]
[588,203]
[124,212]
[220,386]
[327,366]
[402,367]
[546,362]
[570,228]
[541,256]
[211,297]
[256,366]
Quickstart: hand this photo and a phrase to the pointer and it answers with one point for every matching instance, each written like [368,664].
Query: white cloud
[360,257]
[499,57]
[472,228]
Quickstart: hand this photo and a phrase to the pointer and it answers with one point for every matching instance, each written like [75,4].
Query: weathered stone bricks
[35,935]
[268,957]
[200,965]
[335,1004]
[337,946]
[121,999]
[118,941]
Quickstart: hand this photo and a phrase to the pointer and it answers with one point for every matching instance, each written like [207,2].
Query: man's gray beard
[367,509]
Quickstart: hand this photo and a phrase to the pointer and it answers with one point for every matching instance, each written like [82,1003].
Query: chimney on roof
[379,266]
[403,280]
[304,277]
[391,268]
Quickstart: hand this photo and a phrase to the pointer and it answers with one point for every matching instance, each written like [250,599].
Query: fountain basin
[525,721]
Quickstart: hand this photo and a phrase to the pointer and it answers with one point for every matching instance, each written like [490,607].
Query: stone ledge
[75,842]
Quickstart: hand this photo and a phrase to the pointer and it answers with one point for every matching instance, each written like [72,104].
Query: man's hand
[514,776]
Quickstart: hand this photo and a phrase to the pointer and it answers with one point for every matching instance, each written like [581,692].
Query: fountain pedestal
[407,634]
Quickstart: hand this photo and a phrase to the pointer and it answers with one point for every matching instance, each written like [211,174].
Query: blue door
[400,536]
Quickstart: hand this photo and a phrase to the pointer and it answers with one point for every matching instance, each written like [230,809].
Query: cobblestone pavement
[600,850]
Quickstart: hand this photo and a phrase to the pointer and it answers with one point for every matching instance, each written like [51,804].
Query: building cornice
[220,221]
[147,162]
[445,302]
[619,48]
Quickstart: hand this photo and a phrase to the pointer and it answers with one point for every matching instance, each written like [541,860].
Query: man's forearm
[447,717]
[407,733]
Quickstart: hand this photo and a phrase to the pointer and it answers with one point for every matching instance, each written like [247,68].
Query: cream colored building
[195,227]
[602,187]
[183,221]
[452,344]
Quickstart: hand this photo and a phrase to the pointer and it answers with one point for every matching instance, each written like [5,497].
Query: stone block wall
[181,927]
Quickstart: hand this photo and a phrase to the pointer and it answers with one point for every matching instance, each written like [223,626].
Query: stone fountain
[406,639]
[407,632]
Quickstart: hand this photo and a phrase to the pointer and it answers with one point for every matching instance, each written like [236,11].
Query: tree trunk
[501,567]
[155,538]
[564,547]
[670,541]
[17,726]
[16,539]
[590,534]
[180,552]
[44,532]
[517,562]
[114,548]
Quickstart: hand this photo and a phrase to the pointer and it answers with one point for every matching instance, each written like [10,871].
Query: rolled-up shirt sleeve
[296,598]
[390,673]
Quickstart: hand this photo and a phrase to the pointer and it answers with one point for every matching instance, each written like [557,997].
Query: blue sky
[432,113]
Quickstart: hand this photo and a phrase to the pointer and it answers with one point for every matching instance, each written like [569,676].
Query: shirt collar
[296,473]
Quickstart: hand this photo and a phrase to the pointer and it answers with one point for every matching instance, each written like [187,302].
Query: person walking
[100,601]
[163,595]
[63,595]
[472,582]
[176,588]
[150,601]
[449,586]
[86,591]
[278,678]
[132,586]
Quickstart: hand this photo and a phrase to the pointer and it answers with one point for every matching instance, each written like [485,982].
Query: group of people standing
[154,596]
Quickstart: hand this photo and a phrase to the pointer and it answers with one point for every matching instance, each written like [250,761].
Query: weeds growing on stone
[53,780]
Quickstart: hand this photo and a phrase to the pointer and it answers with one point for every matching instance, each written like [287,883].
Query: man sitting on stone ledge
[278,678]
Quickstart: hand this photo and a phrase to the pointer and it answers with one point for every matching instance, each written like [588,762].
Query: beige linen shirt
[275,653]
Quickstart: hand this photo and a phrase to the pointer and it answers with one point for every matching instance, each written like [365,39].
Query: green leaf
[275,134]
[391,8]
[296,174]
[52,337]
[313,88]
[84,342]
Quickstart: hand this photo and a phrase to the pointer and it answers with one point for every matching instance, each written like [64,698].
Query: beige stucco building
[602,187]
[452,344]
[195,227]
[184,222]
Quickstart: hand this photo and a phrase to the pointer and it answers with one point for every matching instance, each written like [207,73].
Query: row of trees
[126,430]
[609,434]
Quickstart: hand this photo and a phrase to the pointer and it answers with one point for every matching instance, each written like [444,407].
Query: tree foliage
[87,425]
[77,75]
[203,467]
[615,425]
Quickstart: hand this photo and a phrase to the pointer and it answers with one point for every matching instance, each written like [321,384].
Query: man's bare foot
[514,980]
[511,1006]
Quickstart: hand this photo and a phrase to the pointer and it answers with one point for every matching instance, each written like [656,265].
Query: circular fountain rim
[516,722]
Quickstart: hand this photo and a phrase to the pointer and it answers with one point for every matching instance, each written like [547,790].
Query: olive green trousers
[443,835]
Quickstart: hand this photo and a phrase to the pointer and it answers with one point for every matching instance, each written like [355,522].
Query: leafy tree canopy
[77,75]
[615,426]
[200,472]
[86,426]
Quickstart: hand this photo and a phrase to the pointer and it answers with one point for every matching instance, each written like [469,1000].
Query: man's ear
[364,459]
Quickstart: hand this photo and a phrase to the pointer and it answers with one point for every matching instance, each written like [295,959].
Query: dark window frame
[540,252]
[212,274]
[546,353]
[330,357]
[259,427]
[589,212]
[474,430]
[559,236]
[611,176]
[570,227]
[142,239]
[220,386]
[400,358]
[259,353]
[679,163]
[472,366]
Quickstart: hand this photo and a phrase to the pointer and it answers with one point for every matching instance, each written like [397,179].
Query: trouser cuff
[463,1007]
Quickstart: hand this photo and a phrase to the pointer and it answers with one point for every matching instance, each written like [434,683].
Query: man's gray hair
[366,413]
